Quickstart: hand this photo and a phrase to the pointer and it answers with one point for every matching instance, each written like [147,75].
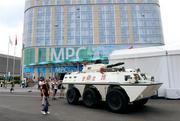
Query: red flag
[16,41]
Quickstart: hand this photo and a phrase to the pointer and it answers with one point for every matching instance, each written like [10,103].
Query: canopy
[162,62]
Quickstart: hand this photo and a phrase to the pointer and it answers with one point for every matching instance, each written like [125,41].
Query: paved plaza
[25,106]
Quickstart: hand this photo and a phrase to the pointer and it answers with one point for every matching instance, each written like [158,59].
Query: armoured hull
[113,85]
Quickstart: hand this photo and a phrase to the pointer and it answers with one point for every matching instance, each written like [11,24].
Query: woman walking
[45,92]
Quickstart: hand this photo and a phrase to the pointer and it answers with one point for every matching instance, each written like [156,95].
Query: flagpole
[14,56]
[7,60]
[14,60]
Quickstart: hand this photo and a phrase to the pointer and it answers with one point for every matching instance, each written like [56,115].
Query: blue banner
[28,70]
[65,69]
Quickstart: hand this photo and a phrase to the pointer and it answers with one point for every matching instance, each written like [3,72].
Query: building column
[36,55]
[62,2]
[40,2]
[22,65]
[95,22]
[65,22]
[34,21]
[47,73]
[130,25]
[74,1]
[47,54]
[65,26]
[53,24]
[117,17]
[36,73]
[139,1]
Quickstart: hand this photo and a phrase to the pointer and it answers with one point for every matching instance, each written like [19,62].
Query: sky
[12,17]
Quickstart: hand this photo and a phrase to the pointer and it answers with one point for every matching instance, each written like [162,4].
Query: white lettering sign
[79,49]
[65,53]
[69,53]
[59,56]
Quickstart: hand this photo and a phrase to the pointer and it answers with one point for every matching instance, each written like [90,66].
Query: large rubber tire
[140,102]
[116,100]
[90,98]
[72,96]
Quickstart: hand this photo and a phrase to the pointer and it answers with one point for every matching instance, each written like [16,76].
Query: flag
[10,42]
[16,41]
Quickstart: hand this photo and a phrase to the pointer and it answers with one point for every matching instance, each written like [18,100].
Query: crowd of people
[53,86]
[5,84]
[49,87]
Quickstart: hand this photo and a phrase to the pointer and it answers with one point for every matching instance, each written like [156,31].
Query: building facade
[65,31]
[8,69]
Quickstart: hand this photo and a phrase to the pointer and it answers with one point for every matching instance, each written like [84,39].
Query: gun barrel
[113,65]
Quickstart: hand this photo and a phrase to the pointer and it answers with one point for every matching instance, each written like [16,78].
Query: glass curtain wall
[80,22]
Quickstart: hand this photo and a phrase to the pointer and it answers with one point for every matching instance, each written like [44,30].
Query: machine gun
[114,65]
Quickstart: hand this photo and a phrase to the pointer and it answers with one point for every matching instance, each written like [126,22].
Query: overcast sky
[12,17]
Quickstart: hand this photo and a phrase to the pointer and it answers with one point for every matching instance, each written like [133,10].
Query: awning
[69,61]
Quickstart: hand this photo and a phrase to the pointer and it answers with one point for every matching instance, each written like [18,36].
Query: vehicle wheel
[140,102]
[116,100]
[72,96]
[90,98]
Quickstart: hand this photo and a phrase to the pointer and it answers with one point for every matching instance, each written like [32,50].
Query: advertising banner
[67,54]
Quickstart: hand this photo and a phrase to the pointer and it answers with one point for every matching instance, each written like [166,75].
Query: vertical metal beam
[36,72]
[36,55]
[62,2]
[53,24]
[32,2]
[47,54]
[47,73]
[139,1]
[130,25]
[95,22]
[74,1]
[40,2]
[34,26]
[65,25]
[117,17]
[22,65]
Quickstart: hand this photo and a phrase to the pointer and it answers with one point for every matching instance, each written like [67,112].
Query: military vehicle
[111,83]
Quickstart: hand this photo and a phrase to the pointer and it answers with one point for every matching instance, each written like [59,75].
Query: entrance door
[59,76]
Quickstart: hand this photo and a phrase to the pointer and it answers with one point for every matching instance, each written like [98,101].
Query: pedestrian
[5,84]
[1,83]
[41,82]
[12,87]
[61,88]
[55,88]
[45,91]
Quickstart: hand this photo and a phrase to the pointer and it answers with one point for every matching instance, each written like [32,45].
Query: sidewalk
[17,88]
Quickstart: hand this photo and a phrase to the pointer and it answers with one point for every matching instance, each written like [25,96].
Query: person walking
[61,88]
[1,84]
[12,87]
[41,82]
[45,92]
[55,88]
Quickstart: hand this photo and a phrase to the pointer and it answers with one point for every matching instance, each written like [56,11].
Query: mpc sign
[46,55]
[68,53]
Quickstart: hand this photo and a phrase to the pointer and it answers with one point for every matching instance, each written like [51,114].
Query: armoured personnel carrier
[111,83]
